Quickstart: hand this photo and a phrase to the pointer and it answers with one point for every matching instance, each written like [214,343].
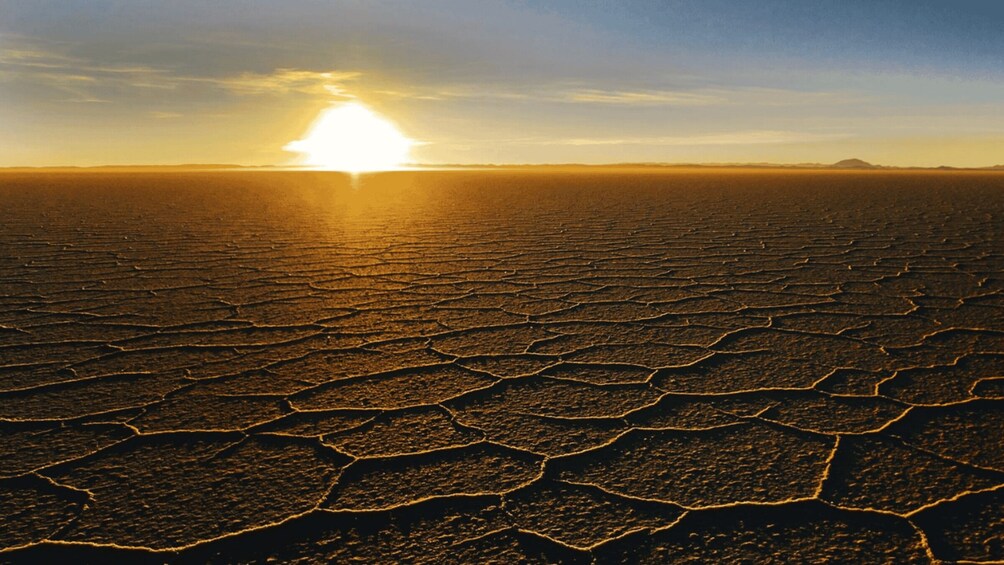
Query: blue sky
[922,82]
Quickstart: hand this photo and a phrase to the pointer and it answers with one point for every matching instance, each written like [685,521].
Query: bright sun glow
[351,138]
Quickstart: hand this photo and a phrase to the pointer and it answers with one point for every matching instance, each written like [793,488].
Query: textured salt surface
[502,366]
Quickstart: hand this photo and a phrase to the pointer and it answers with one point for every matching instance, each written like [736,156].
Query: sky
[908,83]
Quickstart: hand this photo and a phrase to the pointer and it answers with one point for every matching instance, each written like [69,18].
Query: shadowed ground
[465,366]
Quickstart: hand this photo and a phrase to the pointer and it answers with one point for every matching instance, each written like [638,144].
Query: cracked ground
[502,366]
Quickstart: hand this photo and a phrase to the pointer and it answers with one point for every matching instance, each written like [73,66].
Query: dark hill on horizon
[853,164]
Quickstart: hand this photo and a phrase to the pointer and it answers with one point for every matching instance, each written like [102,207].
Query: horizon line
[845,165]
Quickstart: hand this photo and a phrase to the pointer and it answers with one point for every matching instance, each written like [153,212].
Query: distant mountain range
[849,164]
[845,164]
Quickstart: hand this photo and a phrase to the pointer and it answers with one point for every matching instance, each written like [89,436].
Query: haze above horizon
[141,82]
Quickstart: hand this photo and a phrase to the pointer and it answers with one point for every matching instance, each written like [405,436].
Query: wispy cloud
[282,81]
[28,57]
[560,93]
[643,97]
[79,77]
[752,137]
[85,80]
[556,93]
[32,59]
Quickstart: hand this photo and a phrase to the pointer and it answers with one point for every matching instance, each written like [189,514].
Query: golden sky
[149,82]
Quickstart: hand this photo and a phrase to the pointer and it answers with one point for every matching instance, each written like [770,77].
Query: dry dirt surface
[502,366]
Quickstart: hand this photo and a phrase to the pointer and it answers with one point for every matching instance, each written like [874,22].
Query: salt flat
[651,365]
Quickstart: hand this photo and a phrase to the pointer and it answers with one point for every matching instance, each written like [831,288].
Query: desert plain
[509,365]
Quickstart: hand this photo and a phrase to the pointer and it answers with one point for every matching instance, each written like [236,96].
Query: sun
[352,138]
